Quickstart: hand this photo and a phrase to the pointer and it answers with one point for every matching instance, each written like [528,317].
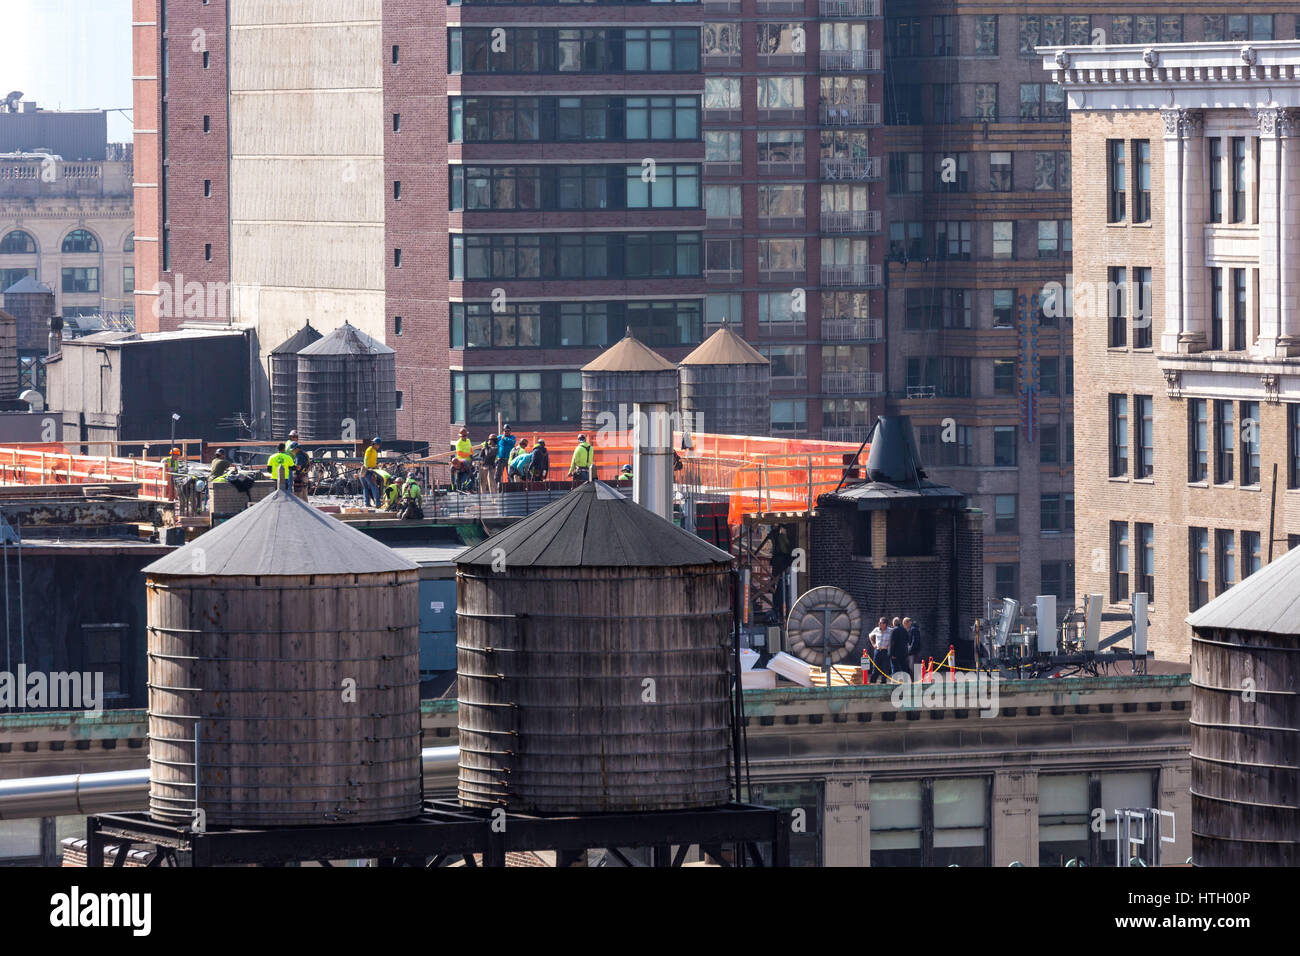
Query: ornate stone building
[1187,363]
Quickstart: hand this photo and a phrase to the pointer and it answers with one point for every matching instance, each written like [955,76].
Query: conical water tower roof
[594,527]
[304,337]
[347,339]
[281,534]
[27,285]
[1268,600]
[629,354]
[725,347]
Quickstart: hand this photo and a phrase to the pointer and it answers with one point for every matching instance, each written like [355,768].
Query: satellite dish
[824,621]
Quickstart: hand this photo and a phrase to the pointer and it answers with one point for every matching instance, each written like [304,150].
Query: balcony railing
[856,220]
[865,114]
[848,9]
[860,275]
[853,383]
[851,433]
[851,61]
[851,170]
[921,391]
[853,330]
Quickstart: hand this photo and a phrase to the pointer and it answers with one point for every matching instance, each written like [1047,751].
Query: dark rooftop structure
[71,134]
[281,534]
[595,526]
[894,473]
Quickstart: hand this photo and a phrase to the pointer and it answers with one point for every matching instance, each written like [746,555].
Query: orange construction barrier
[53,465]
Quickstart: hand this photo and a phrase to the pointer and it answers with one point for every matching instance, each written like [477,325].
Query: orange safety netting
[52,464]
[757,474]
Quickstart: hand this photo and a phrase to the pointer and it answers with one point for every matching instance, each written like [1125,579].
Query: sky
[70,54]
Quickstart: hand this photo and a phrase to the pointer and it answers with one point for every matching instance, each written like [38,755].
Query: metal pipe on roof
[79,794]
[652,441]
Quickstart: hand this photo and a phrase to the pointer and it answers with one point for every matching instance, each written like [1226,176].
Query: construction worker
[625,473]
[462,466]
[220,463]
[541,466]
[580,466]
[488,476]
[411,500]
[505,445]
[280,465]
[172,463]
[369,462]
[393,494]
[515,453]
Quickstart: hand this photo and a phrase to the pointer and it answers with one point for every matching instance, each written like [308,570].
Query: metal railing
[853,330]
[850,220]
[862,114]
[864,274]
[921,391]
[856,383]
[849,8]
[851,61]
[848,433]
[851,170]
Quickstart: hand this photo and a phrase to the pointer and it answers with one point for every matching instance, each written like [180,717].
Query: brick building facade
[1189,373]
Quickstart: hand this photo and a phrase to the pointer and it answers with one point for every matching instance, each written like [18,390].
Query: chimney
[893,458]
[652,472]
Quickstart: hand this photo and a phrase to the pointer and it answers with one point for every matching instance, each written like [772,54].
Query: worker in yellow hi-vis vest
[580,466]
[281,465]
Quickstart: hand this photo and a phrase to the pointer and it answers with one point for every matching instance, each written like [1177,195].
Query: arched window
[17,243]
[129,245]
[80,240]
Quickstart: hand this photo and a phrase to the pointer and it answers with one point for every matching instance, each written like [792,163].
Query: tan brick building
[1186,331]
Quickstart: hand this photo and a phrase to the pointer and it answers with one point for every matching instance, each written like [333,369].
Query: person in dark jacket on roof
[898,638]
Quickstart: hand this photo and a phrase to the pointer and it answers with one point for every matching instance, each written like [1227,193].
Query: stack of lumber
[842,675]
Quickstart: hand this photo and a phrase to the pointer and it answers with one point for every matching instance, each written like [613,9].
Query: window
[952,240]
[1051,171]
[1225,440]
[721,147]
[721,93]
[1225,547]
[17,243]
[1251,556]
[942,32]
[903,36]
[1004,514]
[1004,446]
[397,122]
[951,172]
[906,172]
[1004,304]
[1031,101]
[396,53]
[783,256]
[78,280]
[725,255]
[1049,445]
[1057,577]
[1046,30]
[1216,309]
[533,397]
[789,415]
[722,202]
[207,59]
[1004,240]
[1068,834]
[1197,440]
[1199,565]
[1115,180]
[1048,239]
[575,255]
[1216,179]
[128,279]
[1000,172]
[1293,445]
[959,451]
[719,307]
[805,795]
[778,40]
[1146,560]
[397,329]
[1238,179]
[986,35]
[1238,309]
[207,124]
[207,252]
[720,39]
[1250,443]
[1142,308]
[780,93]
[776,315]
[1142,180]
[397,190]
[1146,451]
[787,201]
[80,240]
[1049,514]
[783,146]
[1116,281]
[986,102]
[207,189]
[1118,436]
[1119,562]
[1006,581]
[1004,376]
[789,365]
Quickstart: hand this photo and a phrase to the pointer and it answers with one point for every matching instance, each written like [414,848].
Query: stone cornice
[1187,75]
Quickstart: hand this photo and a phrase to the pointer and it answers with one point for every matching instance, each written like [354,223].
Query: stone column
[846,836]
[1185,191]
[1279,220]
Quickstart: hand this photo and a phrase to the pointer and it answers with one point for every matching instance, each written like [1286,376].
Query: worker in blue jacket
[505,444]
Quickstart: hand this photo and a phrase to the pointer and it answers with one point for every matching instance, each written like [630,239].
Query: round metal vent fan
[824,621]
